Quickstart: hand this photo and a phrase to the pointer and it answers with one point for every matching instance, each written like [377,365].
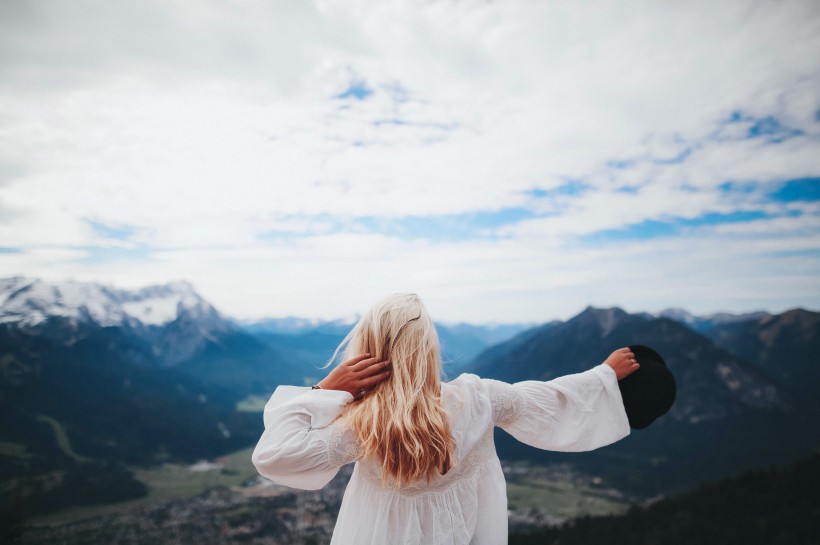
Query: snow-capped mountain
[174,320]
[30,301]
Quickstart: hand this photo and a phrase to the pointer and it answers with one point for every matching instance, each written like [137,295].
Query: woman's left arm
[573,413]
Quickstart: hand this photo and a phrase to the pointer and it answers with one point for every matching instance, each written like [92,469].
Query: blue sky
[509,161]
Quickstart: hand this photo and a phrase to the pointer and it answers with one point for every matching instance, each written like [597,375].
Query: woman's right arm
[293,449]
[301,446]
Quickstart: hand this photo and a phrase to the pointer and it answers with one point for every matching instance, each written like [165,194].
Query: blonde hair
[401,423]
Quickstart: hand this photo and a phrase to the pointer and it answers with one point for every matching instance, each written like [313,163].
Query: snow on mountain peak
[678,315]
[30,301]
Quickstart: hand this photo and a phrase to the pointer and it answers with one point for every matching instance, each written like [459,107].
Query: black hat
[648,392]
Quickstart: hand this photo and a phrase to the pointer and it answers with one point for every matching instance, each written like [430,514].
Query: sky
[508,161]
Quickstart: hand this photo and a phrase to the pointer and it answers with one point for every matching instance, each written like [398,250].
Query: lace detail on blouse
[340,445]
[507,405]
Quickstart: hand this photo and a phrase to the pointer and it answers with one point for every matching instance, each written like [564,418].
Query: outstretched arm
[573,413]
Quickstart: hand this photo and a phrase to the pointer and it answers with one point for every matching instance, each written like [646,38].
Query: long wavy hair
[401,422]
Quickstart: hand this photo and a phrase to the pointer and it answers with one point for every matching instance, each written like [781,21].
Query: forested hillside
[760,507]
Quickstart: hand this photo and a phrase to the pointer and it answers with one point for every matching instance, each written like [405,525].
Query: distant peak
[728,317]
[792,316]
[678,314]
[606,318]
[600,311]
[16,282]
[180,285]
[174,286]
[32,300]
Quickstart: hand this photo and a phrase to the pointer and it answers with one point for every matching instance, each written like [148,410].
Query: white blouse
[303,446]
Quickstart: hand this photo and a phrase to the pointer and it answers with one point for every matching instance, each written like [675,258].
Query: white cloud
[201,128]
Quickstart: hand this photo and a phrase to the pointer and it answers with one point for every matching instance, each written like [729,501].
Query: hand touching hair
[357,375]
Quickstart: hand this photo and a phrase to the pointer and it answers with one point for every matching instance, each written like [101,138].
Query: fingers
[374,374]
[365,371]
[365,360]
[375,379]
[631,364]
[375,368]
[627,354]
[353,362]
[363,386]
[367,363]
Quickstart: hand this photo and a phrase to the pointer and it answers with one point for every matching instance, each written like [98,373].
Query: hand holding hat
[622,362]
[647,386]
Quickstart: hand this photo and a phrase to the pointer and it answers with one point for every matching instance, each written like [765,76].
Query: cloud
[495,155]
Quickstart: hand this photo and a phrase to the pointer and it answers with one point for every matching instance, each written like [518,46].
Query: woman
[426,468]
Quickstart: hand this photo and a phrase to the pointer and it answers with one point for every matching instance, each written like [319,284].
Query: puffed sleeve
[295,448]
[573,413]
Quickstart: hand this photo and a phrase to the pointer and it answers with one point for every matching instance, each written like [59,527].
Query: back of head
[401,423]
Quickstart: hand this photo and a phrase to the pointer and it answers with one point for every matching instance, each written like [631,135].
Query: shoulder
[474,383]
[484,400]
[466,393]
[465,378]
[465,383]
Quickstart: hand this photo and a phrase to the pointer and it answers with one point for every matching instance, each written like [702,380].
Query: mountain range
[94,380]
